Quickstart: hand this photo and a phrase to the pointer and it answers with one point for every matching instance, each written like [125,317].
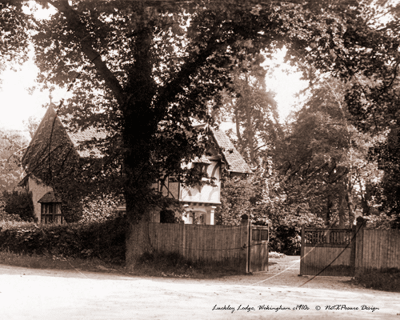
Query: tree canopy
[12,145]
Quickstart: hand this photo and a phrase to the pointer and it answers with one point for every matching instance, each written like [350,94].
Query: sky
[17,104]
[286,82]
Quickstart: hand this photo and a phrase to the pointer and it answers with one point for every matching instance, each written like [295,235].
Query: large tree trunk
[139,128]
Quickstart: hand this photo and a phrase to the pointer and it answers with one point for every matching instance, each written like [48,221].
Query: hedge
[387,280]
[103,240]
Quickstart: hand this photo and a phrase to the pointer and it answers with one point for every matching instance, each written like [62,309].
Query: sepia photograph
[199,159]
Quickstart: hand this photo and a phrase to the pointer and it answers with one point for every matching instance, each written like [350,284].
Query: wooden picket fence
[243,247]
[377,249]
[198,242]
[348,252]
[207,243]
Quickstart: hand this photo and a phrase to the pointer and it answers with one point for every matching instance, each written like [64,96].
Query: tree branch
[79,29]
[176,86]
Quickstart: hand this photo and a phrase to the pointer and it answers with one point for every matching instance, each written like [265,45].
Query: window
[201,168]
[51,213]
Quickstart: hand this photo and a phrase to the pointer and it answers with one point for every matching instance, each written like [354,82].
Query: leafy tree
[253,110]
[373,97]
[13,27]
[324,159]
[31,125]
[386,153]
[11,148]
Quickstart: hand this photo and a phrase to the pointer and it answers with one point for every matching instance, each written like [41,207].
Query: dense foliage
[6,217]
[99,209]
[251,107]
[323,160]
[387,280]
[255,197]
[104,240]
[19,204]
[11,149]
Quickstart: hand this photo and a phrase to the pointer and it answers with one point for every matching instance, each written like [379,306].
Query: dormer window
[200,167]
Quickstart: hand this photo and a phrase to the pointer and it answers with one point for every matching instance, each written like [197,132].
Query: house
[52,154]
[200,202]
[52,144]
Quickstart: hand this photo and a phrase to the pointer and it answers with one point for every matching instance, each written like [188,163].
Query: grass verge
[55,262]
[154,265]
[150,264]
[387,280]
[174,265]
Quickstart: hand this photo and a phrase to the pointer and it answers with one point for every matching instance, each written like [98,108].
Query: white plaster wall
[206,193]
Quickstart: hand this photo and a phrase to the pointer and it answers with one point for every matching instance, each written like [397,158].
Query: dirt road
[54,294]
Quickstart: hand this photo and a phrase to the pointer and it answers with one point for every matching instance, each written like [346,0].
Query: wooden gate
[330,250]
[258,249]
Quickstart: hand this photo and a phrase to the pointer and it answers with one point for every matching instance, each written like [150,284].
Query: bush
[388,280]
[285,240]
[103,240]
[285,231]
[19,204]
[99,209]
[382,221]
[4,216]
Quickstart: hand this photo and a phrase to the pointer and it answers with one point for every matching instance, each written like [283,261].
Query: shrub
[388,280]
[382,221]
[19,204]
[4,216]
[103,240]
[285,240]
[99,209]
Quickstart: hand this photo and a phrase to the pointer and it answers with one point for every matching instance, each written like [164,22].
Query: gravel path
[58,294]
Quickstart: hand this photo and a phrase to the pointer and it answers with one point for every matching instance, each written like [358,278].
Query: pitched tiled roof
[49,142]
[233,158]
[49,197]
[52,127]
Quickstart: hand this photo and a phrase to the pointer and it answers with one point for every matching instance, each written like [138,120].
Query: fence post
[361,222]
[302,250]
[183,239]
[246,245]
[353,250]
